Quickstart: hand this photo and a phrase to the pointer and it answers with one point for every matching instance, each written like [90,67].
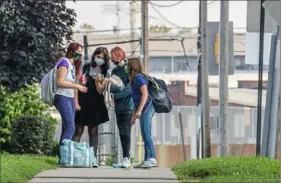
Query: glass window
[180,64]
[161,64]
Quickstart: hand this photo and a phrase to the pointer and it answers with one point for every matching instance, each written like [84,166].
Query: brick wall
[170,155]
[177,91]
[250,84]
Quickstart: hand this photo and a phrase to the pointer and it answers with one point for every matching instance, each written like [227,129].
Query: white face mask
[99,61]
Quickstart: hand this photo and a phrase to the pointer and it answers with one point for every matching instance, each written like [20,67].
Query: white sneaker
[149,163]
[126,163]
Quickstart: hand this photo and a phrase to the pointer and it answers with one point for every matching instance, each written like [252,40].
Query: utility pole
[144,35]
[86,55]
[223,77]
[205,82]
[118,19]
[199,77]
[132,23]
[260,81]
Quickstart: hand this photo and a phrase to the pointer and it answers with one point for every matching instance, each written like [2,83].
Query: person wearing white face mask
[91,110]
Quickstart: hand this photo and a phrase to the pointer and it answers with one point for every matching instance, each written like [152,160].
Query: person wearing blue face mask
[91,110]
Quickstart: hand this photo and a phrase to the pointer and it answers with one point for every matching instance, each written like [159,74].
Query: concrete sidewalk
[105,174]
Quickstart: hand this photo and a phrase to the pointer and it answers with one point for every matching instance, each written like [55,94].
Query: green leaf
[30,40]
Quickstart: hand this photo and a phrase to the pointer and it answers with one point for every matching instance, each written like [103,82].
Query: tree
[31,35]
[86,26]
[159,29]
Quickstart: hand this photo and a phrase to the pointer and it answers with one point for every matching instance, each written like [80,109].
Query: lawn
[229,169]
[21,168]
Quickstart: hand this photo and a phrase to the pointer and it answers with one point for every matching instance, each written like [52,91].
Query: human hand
[83,80]
[81,88]
[133,121]
[99,78]
[77,107]
[105,81]
[137,114]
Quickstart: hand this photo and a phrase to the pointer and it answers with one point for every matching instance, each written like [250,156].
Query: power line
[175,51]
[210,3]
[163,17]
[166,6]
[125,29]
[133,52]
[130,41]
[106,30]
[185,55]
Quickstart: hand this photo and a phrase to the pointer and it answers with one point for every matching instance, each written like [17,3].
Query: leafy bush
[229,169]
[26,101]
[55,148]
[32,135]
[31,34]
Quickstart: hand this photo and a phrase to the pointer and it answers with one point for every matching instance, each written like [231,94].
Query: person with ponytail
[123,103]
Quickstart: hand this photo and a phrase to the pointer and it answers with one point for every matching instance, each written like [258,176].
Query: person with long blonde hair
[143,110]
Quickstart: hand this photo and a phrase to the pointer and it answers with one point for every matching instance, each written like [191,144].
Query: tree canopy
[31,35]
[159,29]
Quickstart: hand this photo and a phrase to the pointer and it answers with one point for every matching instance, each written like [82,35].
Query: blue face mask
[99,61]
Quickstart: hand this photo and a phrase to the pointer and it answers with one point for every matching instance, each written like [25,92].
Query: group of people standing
[80,100]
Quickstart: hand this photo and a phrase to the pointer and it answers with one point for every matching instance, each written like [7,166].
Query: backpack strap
[135,80]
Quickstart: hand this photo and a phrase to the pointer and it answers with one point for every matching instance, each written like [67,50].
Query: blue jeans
[145,125]
[66,108]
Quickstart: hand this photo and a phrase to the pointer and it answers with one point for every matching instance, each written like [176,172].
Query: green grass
[21,168]
[229,169]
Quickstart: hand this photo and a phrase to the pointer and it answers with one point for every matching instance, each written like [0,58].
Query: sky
[102,14]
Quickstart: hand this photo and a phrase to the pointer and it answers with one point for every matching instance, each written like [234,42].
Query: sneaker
[138,165]
[95,165]
[116,165]
[149,163]
[126,163]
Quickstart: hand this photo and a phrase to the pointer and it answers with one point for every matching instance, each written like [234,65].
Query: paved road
[105,174]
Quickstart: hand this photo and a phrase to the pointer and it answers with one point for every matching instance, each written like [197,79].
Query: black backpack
[159,94]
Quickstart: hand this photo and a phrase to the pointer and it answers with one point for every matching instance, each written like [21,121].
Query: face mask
[115,62]
[77,56]
[99,61]
[96,62]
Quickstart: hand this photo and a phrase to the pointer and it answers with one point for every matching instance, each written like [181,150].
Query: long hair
[72,48]
[104,51]
[70,53]
[135,67]
[78,68]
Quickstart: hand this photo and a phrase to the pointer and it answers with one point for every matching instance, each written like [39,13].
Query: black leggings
[93,135]
[124,126]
